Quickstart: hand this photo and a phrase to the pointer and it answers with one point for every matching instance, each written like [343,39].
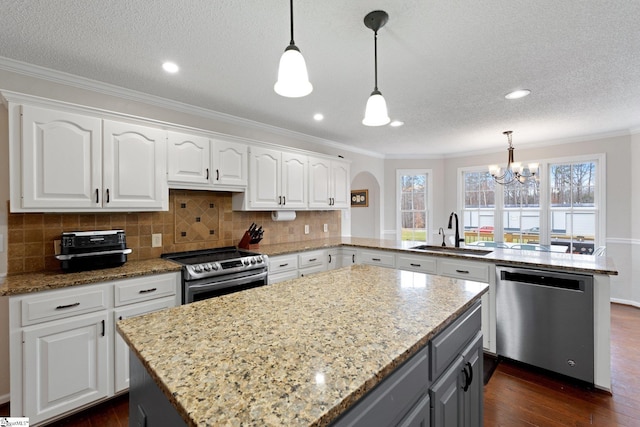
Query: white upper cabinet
[198,162]
[328,184]
[134,165]
[277,180]
[188,160]
[230,169]
[62,160]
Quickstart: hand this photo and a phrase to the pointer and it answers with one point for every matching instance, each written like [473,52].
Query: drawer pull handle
[376,259]
[462,271]
[353,258]
[284,265]
[97,196]
[313,259]
[108,195]
[415,265]
[468,377]
[329,258]
[146,291]
[207,178]
[62,307]
[217,174]
[103,330]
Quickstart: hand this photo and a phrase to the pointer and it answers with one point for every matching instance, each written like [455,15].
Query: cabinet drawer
[283,263]
[144,288]
[60,304]
[281,277]
[416,263]
[465,270]
[384,259]
[310,259]
[311,270]
[449,343]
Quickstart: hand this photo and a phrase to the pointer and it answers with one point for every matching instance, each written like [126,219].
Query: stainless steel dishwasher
[545,319]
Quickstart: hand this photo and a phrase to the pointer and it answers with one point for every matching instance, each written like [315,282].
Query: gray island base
[362,345]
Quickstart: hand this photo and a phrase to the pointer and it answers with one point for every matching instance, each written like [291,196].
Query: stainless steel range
[214,272]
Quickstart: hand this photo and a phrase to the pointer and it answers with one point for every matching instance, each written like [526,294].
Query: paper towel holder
[283,215]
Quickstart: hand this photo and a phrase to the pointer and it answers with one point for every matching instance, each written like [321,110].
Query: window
[559,211]
[573,219]
[478,210]
[413,200]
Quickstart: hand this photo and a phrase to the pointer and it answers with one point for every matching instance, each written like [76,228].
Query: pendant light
[376,111]
[293,80]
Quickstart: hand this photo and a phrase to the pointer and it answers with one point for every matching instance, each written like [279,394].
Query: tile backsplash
[205,221]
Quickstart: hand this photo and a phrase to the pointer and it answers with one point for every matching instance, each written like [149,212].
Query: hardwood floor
[514,396]
[518,396]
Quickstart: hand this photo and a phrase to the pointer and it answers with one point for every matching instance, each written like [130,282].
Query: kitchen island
[300,352]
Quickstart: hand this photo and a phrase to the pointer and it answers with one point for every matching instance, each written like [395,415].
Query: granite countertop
[47,280]
[298,352]
[525,258]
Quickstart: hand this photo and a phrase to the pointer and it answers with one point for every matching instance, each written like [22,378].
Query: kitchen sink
[453,250]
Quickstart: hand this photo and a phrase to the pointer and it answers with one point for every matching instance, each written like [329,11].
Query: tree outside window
[413,206]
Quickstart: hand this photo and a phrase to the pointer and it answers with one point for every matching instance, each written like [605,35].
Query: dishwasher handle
[549,280]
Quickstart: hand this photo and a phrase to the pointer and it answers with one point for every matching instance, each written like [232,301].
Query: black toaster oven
[90,250]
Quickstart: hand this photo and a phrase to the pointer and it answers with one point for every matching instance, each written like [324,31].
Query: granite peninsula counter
[299,352]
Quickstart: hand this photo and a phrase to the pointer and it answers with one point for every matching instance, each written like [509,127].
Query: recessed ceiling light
[396,123]
[318,117]
[517,94]
[170,67]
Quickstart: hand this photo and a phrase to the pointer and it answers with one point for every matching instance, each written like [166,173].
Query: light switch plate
[306,229]
[156,240]
[326,228]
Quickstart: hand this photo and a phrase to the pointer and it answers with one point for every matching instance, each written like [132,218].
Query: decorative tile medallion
[197,219]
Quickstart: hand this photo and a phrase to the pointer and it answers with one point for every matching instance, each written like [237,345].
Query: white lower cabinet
[333,259]
[283,267]
[121,349]
[64,351]
[66,365]
[381,258]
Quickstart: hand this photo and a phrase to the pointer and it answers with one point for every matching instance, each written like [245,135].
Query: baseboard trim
[625,302]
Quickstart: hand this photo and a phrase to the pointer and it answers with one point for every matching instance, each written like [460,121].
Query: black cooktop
[208,255]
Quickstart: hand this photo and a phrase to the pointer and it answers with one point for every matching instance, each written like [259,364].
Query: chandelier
[514,171]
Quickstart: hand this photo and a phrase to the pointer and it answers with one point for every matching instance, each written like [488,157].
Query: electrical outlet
[306,229]
[56,247]
[156,240]
[326,228]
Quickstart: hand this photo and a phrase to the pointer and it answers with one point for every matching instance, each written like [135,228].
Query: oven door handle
[236,281]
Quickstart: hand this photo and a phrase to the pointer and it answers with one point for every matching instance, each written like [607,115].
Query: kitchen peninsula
[300,352]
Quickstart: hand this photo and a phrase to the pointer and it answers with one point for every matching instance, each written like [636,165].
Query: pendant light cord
[375,58]
[291,19]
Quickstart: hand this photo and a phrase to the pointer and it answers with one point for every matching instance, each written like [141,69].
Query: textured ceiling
[444,66]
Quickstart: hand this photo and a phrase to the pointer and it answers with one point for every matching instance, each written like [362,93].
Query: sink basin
[453,250]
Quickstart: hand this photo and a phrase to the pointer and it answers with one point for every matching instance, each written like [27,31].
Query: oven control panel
[218,268]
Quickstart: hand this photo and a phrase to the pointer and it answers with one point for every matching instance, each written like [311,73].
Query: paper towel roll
[283,215]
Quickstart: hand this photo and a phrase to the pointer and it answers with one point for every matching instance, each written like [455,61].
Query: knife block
[244,242]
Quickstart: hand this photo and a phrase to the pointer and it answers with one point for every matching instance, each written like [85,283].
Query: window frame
[428,202]
[544,170]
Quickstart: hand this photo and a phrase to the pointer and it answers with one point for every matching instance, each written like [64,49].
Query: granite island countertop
[47,280]
[298,352]
[516,257]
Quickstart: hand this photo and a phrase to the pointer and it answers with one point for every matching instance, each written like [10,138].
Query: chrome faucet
[441,231]
[457,237]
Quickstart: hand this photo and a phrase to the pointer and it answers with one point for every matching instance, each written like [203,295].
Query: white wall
[4,301]
[365,221]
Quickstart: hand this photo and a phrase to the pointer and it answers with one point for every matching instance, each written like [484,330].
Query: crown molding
[79,82]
